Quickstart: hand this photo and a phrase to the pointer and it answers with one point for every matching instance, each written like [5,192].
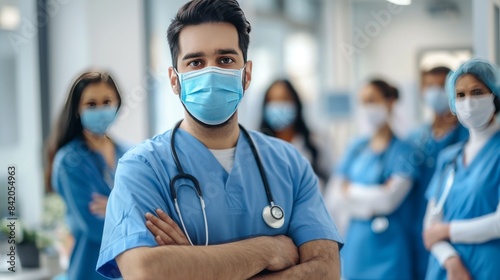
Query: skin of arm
[236,260]
[319,259]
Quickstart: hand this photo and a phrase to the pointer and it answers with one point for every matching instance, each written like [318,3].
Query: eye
[226,60]
[194,63]
[476,92]
[91,104]
[107,102]
[460,95]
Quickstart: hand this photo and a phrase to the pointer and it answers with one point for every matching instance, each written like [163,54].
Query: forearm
[441,250]
[477,230]
[237,260]
[366,202]
[323,264]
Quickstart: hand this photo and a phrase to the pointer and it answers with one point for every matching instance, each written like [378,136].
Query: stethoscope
[273,215]
[378,224]
[451,167]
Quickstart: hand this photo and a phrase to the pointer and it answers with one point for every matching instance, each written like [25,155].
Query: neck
[215,138]
[381,139]
[286,134]
[94,141]
[442,124]
[485,134]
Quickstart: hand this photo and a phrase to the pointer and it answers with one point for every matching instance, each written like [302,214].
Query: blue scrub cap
[486,72]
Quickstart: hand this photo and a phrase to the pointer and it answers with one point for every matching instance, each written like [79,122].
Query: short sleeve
[346,161]
[136,192]
[310,220]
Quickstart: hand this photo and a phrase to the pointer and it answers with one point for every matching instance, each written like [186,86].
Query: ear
[248,74]
[174,81]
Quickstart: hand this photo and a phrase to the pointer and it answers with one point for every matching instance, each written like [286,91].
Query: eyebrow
[226,51]
[201,54]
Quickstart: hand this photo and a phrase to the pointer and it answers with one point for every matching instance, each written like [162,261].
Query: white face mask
[475,113]
[373,117]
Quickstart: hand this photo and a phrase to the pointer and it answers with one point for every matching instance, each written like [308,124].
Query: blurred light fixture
[9,17]
[400,2]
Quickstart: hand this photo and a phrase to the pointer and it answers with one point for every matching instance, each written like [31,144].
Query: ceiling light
[9,17]
[400,2]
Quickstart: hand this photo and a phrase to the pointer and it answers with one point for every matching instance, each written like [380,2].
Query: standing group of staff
[428,206]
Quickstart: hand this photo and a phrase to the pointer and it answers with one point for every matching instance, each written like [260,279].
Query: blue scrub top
[427,149]
[78,172]
[234,201]
[475,192]
[366,254]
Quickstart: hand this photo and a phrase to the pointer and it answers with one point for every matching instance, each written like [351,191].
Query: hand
[165,230]
[98,204]
[345,187]
[435,233]
[455,269]
[285,253]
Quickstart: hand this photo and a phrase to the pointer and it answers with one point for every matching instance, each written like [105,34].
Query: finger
[165,239]
[98,196]
[170,228]
[165,217]
[159,241]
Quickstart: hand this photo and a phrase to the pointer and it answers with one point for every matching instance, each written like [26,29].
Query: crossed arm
[245,259]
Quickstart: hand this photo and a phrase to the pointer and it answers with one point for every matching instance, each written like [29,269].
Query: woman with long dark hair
[82,160]
[282,117]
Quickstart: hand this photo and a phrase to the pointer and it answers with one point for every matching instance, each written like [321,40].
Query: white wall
[105,35]
[483,25]
[25,154]
[391,50]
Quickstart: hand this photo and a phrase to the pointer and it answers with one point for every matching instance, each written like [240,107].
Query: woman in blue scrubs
[372,184]
[282,117]
[429,140]
[82,161]
[462,223]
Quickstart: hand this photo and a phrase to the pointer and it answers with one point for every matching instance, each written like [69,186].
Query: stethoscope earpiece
[274,216]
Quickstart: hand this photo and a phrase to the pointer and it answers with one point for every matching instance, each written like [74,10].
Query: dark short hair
[388,92]
[208,11]
[440,70]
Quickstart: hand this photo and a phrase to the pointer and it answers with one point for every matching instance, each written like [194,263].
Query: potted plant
[28,243]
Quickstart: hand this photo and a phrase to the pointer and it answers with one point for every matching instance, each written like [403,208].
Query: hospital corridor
[250,139]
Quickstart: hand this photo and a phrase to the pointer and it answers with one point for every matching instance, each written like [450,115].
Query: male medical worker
[254,199]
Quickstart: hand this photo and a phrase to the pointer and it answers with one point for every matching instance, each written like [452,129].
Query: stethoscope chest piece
[380,224]
[274,216]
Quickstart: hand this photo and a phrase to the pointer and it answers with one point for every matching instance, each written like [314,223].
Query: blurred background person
[372,183]
[463,215]
[82,163]
[282,117]
[429,140]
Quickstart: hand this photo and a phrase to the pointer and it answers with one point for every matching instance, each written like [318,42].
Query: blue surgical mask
[98,120]
[436,98]
[212,94]
[280,114]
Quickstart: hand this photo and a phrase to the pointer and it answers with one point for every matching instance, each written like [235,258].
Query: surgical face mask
[475,113]
[280,114]
[98,120]
[437,99]
[373,117]
[212,94]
